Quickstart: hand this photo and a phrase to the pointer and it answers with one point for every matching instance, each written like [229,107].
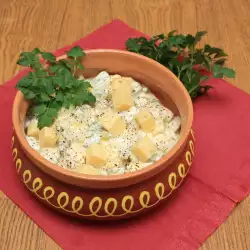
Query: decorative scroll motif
[75,204]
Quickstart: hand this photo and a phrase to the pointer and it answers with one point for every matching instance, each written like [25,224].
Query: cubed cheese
[47,137]
[105,135]
[145,120]
[115,76]
[144,149]
[159,127]
[113,123]
[87,169]
[96,155]
[122,93]
[32,129]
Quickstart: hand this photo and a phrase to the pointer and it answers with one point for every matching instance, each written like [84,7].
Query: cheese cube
[32,129]
[87,169]
[159,127]
[115,76]
[145,120]
[113,123]
[144,149]
[105,135]
[47,137]
[116,81]
[122,93]
[96,155]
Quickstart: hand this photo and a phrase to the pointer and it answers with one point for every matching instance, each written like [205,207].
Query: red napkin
[219,178]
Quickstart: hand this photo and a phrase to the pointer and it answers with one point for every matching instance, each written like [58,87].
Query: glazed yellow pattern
[109,206]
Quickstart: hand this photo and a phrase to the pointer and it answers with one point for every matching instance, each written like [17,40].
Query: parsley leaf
[198,36]
[133,45]
[61,64]
[49,57]
[24,82]
[76,52]
[39,109]
[44,120]
[29,94]
[80,66]
[220,71]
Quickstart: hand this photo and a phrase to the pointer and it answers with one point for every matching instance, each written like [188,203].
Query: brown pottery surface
[116,196]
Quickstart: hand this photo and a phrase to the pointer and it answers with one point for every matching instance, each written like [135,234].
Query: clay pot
[110,197]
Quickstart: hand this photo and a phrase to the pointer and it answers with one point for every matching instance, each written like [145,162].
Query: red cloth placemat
[220,175]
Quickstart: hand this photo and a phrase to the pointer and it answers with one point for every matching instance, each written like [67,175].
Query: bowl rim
[110,181]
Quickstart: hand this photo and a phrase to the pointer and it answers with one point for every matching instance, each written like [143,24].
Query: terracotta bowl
[110,197]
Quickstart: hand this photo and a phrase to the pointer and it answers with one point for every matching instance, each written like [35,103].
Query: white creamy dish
[127,129]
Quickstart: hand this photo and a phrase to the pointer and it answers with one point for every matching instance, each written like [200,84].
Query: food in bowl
[110,197]
[126,129]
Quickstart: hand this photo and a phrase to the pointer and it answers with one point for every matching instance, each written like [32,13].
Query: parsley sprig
[52,84]
[180,54]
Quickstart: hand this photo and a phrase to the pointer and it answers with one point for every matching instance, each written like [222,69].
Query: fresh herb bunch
[180,54]
[52,84]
